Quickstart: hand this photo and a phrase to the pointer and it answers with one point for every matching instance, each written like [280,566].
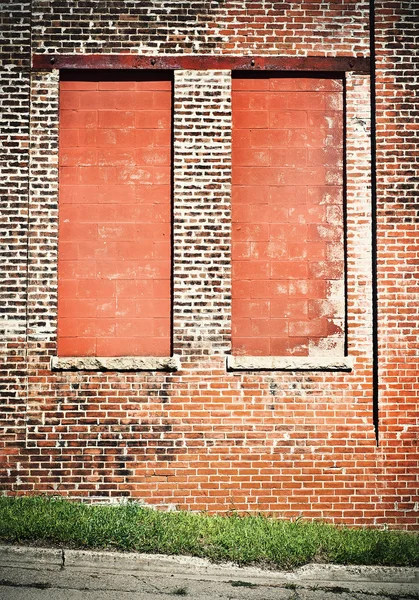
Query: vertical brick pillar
[42,249]
[43,210]
[358,216]
[202,220]
[15,58]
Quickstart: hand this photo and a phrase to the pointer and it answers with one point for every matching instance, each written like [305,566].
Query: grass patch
[247,540]
[242,584]
[180,591]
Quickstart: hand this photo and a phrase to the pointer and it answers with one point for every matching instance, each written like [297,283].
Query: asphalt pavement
[30,573]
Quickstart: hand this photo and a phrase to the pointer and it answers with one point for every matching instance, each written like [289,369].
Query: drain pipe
[375,375]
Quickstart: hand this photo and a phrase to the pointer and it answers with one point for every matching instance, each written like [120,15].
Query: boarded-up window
[114,216]
[288,223]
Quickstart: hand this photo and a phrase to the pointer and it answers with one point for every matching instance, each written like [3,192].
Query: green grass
[257,540]
[180,591]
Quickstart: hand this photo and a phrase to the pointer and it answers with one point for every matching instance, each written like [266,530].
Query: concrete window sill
[289,363]
[115,363]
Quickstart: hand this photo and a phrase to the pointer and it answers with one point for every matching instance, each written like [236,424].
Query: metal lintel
[47,62]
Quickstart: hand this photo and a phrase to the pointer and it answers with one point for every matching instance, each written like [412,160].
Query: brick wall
[226,26]
[397,215]
[205,437]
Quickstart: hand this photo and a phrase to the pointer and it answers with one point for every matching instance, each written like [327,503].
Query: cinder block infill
[289,363]
[115,363]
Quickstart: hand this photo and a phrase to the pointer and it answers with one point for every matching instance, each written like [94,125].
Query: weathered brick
[288,443]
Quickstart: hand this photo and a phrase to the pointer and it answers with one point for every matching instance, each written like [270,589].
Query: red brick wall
[205,438]
[114,236]
[397,86]
[231,27]
[287,217]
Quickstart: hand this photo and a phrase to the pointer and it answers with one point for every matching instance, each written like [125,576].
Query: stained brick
[203,438]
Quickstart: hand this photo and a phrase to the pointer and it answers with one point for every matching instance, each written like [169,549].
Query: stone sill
[115,363]
[289,363]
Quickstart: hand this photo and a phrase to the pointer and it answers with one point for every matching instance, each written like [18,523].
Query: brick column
[202,221]
[14,158]
[43,213]
[42,258]
[358,217]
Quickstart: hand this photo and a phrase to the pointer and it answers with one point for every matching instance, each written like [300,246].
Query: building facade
[210,256]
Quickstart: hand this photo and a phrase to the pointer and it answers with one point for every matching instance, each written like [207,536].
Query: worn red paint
[287,244]
[114,237]
[256,63]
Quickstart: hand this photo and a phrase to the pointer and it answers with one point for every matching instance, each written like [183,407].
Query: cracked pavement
[28,573]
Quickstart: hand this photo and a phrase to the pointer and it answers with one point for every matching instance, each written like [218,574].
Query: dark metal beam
[249,63]
[374,250]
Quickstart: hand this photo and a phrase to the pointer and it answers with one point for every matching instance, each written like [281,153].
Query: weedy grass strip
[244,540]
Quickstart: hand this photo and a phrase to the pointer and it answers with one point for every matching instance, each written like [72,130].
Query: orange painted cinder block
[96,175]
[268,289]
[69,138]
[81,85]
[76,346]
[116,119]
[242,326]
[288,157]
[252,346]
[286,308]
[249,194]
[238,84]
[78,156]
[87,137]
[152,156]
[250,157]
[287,119]
[152,119]
[130,100]
[270,138]
[291,84]
[114,241]
[274,327]
[155,83]
[251,270]
[95,100]
[296,101]
[255,119]
[287,152]
[78,119]
[72,231]
[312,328]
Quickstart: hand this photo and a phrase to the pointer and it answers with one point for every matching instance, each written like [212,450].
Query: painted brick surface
[202,438]
[287,242]
[115,212]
